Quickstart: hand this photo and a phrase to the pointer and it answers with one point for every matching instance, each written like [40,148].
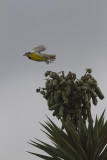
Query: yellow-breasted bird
[36,55]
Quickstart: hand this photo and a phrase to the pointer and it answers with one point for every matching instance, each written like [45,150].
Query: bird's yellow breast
[35,57]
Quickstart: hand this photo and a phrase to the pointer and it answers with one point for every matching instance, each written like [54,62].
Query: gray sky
[74,30]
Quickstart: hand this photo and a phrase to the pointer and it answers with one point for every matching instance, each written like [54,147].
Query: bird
[36,55]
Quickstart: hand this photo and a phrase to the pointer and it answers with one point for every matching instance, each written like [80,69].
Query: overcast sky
[74,30]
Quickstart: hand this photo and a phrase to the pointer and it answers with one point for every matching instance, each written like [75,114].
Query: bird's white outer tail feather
[49,58]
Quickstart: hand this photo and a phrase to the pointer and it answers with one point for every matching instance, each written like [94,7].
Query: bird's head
[26,54]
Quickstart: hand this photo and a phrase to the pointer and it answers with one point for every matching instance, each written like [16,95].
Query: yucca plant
[79,138]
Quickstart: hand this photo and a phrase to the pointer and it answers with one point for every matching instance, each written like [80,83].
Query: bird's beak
[24,55]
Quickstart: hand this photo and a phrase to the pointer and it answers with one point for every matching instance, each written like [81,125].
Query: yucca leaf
[70,129]
[44,157]
[82,131]
[47,148]
[82,152]
[99,148]
[89,146]
[103,155]
[50,151]
[95,134]
[101,119]
[89,138]
[70,148]
[101,123]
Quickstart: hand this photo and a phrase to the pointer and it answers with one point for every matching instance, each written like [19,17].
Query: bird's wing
[39,49]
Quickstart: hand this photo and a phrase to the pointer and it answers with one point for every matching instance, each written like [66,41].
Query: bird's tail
[49,58]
